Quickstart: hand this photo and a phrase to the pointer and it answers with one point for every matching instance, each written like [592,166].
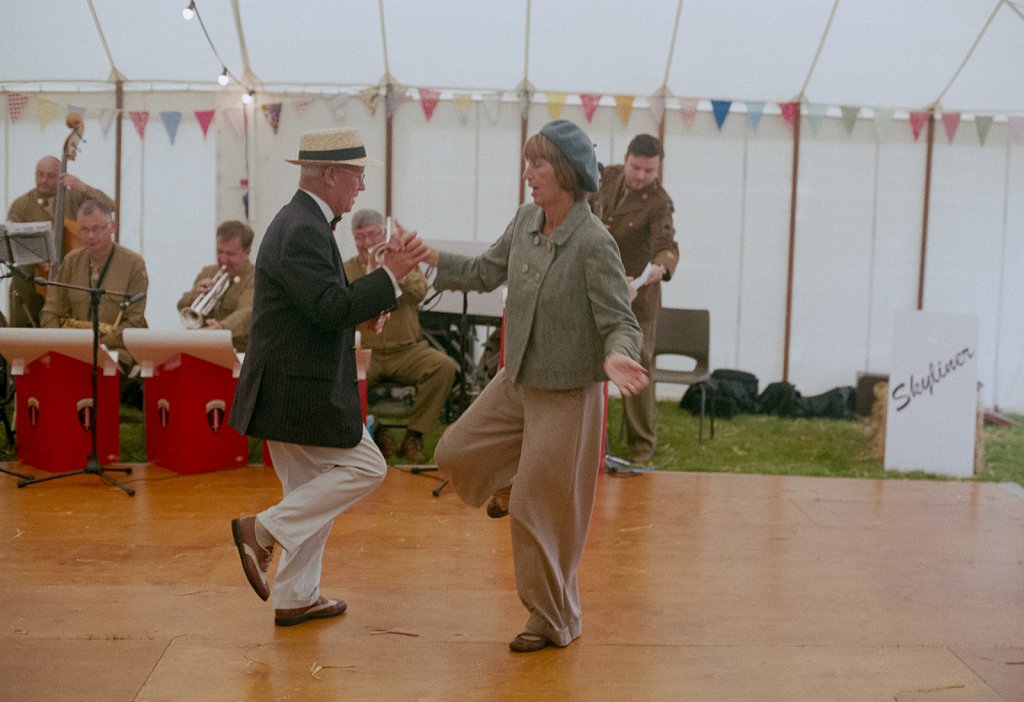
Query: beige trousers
[319,483]
[547,445]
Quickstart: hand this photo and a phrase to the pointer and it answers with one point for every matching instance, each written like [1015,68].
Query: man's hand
[213,324]
[73,183]
[375,325]
[628,375]
[203,285]
[404,251]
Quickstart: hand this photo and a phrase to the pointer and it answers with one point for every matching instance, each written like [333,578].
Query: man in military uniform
[400,353]
[234,311]
[638,213]
[37,206]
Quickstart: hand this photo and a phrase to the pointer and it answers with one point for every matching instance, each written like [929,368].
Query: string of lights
[190,12]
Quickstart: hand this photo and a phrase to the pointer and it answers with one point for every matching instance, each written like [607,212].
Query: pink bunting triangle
[590,101]
[16,103]
[917,121]
[272,113]
[688,109]
[139,119]
[204,117]
[301,105]
[1015,125]
[428,100]
[790,112]
[951,121]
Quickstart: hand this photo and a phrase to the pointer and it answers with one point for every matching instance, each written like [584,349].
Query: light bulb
[223,78]
[247,98]
[190,11]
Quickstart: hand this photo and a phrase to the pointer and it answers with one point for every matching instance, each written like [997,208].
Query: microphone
[137,297]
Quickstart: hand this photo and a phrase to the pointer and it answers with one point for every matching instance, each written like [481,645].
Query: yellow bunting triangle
[556,103]
[624,104]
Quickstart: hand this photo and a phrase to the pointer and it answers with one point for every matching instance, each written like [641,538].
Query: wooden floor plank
[694,586]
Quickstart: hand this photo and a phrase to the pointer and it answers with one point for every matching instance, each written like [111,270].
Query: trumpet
[194,316]
[376,253]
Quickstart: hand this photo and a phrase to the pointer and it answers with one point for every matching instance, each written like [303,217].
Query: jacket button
[526,268]
[536,241]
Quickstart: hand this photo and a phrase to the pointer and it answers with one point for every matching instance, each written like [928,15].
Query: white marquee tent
[714,77]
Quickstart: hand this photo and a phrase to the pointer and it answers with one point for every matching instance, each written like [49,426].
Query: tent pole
[792,243]
[118,134]
[523,125]
[661,140]
[388,135]
[927,203]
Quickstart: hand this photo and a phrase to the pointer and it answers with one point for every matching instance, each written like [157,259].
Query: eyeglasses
[361,176]
[98,229]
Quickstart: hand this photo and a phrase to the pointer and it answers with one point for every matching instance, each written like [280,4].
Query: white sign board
[933,393]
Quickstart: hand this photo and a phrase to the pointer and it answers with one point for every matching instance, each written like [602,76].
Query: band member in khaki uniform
[37,206]
[234,311]
[638,212]
[400,353]
[100,263]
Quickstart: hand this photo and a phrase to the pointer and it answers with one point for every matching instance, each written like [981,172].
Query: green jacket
[567,306]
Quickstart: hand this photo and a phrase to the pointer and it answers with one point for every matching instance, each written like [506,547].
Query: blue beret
[576,146]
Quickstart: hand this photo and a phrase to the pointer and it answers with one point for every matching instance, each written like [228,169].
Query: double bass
[65,230]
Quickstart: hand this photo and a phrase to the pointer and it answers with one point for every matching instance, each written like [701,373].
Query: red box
[188,401]
[54,410]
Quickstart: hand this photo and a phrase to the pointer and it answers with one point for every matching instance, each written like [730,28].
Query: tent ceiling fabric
[873,53]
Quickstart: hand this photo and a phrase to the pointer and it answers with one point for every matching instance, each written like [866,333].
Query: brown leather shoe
[255,558]
[412,448]
[323,608]
[385,442]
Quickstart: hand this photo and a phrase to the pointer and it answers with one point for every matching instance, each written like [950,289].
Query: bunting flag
[16,103]
[272,113]
[657,104]
[850,114]
[463,103]
[106,119]
[139,119]
[688,110]
[590,101]
[47,111]
[301,105]
[883,122]
[951,121]
[394,96]
[816,113]
[370,97]
[983,123]
[917,121]
[556,103]
[338,105]
[790,112]
[524,95]
[171,121]
[236,117]
[1015,126]
[204,117]
[428,101]
[81,111]
[624,104]
[754,112]
[492,105]
[721,110]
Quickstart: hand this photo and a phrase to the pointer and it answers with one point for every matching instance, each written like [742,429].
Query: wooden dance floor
[695,587]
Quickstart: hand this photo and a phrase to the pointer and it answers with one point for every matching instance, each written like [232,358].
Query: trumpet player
[230,307]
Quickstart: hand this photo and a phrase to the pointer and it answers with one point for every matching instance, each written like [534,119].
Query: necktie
[334,222]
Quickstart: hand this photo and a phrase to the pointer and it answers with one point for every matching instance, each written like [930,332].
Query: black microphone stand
[92,464]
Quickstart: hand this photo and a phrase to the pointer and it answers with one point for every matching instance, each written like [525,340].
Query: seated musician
[231,306]
[99,263]
[37,205]
[400,353]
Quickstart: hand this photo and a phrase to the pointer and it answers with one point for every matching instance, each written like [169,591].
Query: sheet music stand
[26,243]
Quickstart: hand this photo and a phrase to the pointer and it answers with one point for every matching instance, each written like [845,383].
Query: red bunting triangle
[589,101]
[790,111]
[15,104]
[428,100]
[204,117]
[139,119]
[917,121]
[951,121]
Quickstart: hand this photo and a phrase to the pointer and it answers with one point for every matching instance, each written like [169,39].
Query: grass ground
[745,444]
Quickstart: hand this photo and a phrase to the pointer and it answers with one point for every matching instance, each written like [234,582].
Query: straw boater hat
[333,147]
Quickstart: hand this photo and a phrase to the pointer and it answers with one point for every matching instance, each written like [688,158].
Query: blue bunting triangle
[721,109]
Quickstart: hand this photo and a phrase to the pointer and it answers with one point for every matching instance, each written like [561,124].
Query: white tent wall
[456,177]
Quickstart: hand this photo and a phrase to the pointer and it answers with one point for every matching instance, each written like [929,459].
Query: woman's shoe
[527,642]
[494,510]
